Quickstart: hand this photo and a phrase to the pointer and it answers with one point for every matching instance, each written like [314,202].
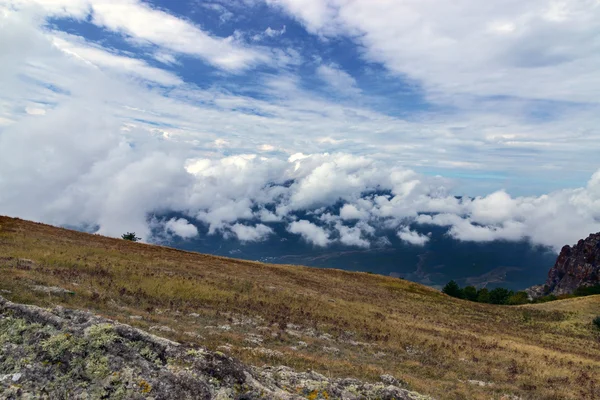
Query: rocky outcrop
[64,353]
[576,266]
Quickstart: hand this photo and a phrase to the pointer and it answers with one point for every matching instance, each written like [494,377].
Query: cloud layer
[101,137]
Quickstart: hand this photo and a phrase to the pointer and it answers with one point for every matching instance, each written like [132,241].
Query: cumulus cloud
[412,237]
[246,233]
[310,232]
[352,236]
[350,212]
[181,227]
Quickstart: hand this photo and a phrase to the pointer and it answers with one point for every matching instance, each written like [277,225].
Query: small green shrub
[130,236]
[596,321]
[587,290]
[518,298]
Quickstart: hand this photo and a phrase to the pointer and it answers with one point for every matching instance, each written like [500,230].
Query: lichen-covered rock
[61,353]
[316,386]
[576,266]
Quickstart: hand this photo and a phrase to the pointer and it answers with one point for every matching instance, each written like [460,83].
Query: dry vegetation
[338,323]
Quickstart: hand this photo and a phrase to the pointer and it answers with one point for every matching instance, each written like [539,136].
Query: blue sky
[475,98]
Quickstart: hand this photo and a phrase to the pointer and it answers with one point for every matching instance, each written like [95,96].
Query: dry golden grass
[348,324]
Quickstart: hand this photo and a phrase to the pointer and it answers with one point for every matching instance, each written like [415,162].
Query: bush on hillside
[587,290]
[518,298]
[130,236]
[596,321]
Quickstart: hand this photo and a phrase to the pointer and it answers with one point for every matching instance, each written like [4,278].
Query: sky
[482,117]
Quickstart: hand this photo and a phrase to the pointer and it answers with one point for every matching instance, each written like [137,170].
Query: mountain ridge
[576,266]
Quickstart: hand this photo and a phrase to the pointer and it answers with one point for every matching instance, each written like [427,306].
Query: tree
[500,295]
[470,293]
[130,236]
[483,295]
[452,289]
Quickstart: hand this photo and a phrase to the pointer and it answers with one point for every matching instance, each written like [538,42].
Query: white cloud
[352,236]
[181,227]
[224,14]
[412,237]
[310,232]
[539,49]
[94,55]
[338,79]
[146,25]
[494,208]
[274,32]
[350,212]
[246,233]
[270,33]
[35,111]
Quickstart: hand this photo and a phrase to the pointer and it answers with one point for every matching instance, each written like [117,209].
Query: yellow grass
[351,324]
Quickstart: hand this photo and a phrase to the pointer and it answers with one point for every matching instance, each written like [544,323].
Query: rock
[193,334]
[479,383]
[162,328]
[331,350]
[389,380]
[51,290]
[576,266]
[314,385]
[535,292]
[254,339]
[87,356]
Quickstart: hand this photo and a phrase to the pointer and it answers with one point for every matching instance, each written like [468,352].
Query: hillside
[340,324]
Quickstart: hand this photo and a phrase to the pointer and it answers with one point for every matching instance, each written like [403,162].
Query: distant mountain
[515,265]
[576,266]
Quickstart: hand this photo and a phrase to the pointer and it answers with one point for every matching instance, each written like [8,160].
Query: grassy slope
[352,324]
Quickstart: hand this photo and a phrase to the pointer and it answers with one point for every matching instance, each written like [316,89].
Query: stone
[389,380]
[577,265]
[88,356]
